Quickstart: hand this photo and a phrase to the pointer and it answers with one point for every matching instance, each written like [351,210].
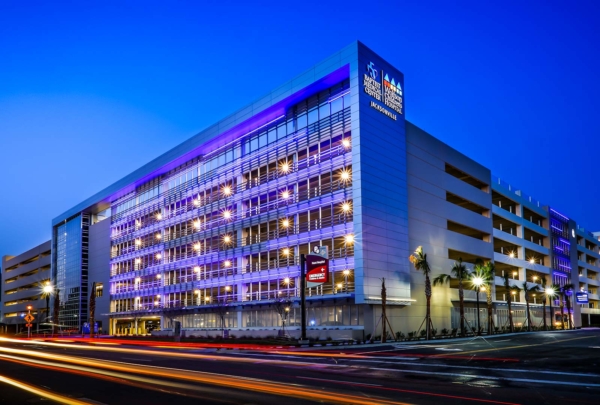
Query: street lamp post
[477,282]
[47,291]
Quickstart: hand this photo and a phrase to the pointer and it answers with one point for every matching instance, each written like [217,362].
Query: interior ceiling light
[345,175]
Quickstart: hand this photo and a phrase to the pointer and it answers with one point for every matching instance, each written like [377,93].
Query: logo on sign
[372,71]
[388,91]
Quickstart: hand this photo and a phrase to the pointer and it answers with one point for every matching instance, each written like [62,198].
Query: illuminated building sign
[581,297]
[382,88]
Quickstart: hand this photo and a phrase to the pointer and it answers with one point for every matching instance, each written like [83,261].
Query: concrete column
[240,318]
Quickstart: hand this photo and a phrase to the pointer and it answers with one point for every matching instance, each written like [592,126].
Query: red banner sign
[317,270]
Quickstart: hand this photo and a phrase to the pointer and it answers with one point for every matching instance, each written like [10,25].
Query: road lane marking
[339,381]
[513,370]
[485,377]
[131,358]
[446,349]
[433,394]
[515,347]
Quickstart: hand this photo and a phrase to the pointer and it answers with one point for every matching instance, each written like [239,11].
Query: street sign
[317,267]
[28,325]
[29,318]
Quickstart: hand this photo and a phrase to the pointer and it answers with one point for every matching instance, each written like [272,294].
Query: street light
[47,291]
[478,282]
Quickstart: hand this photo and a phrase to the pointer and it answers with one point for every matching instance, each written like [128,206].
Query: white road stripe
[514,370]
[338,381]
[529,380]
[131,358]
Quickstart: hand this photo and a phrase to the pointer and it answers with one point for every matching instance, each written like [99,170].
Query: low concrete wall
[311,333]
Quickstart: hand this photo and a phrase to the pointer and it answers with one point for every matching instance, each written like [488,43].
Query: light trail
[114,377]
[150,343]
[42,393]
[221,380]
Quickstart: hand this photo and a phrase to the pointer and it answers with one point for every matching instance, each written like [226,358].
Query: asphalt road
[541,368]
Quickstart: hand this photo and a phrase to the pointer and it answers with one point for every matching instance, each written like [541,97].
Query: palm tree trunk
[510,318]
[428,296]
[562,313]
[568,302]
[490,309]
[551,314]
[544,312]
[461,305]
[528,314]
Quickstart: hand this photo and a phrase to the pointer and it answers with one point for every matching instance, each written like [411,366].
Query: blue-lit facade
[70,250]
[228,228]
[210,233]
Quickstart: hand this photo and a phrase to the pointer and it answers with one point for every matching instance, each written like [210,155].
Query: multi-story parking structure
[24,277]
[210,233]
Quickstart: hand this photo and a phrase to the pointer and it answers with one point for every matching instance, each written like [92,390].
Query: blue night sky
[89,93]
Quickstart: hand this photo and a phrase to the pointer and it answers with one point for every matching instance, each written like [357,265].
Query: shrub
[423,332]
[444,332]
[399,336]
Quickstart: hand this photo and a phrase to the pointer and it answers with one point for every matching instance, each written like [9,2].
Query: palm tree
[509,289]
[561,293]
[566,289]
[527,291]
[487,272]
[460,272]
[552,291]
[419,261]
[544,296]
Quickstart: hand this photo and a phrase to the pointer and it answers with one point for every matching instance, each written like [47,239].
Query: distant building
[212,230]
[23,279]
